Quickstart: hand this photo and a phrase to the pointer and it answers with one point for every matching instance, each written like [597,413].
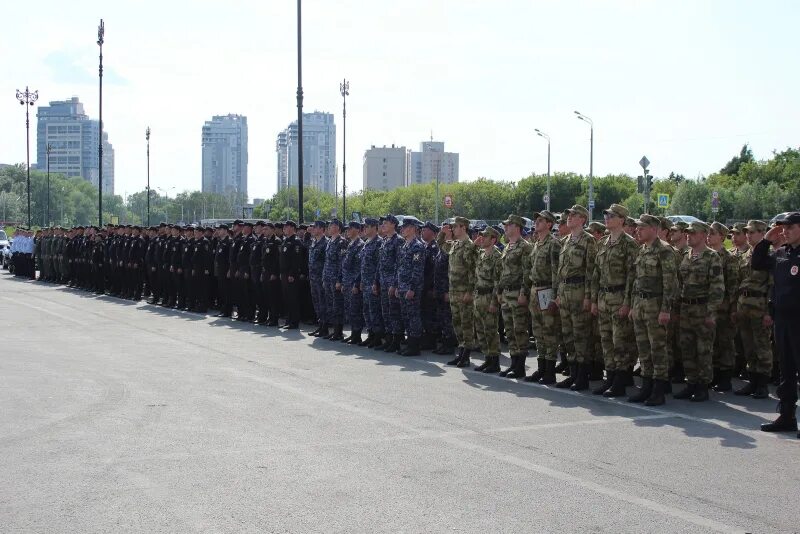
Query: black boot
[337,333]
[750,387]
[687,393]
[723,380]
[412,348]
[549,375]
[656,397]
[786,421]
[388,339]
[677,374]
[377,341]
[597,367]
[464,360]
[567,382]
[538,373]
[762,387]
[518,370]
[644,392]
[484,365]
[563,365]
[629,377]
[582,380]
[606,385]
[457,359]
[428,342]
[447,346]
[322,331]
[494,364]
[637,371]
[510,367]
[355,337]
[715,376]
[618,385]
[347,339]
[366,341]
[394,343]
[700,393]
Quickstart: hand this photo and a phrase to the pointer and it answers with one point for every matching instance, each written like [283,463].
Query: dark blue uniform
[369,279]
[387,267]
[430,321]
[331,275]
[441,286]
[410,277]
[316,265]
[351,284]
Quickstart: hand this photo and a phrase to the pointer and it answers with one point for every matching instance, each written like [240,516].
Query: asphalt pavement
[125,417]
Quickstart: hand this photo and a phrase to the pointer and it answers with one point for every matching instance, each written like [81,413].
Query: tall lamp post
[101,32]
[49,149]
[588,121]
[344,89]
[27,99]
[147,137]
[299,115]
[547,137]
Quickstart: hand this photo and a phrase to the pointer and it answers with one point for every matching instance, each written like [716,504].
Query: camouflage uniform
[462,256]
[575,269]
[543,275]
[724,351]
[316,266]
[441,286]
[514,263]
[331,275]
[751,305]
[487,270]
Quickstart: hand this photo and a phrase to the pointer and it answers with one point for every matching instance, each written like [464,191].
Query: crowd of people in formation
[592,299]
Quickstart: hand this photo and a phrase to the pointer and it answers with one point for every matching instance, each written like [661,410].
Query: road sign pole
[644,162]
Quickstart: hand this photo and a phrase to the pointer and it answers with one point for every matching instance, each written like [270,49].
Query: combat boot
[723,380]
[618,385]
[643,392]
[687,393]
[412,348]
[322,331]
[762,387]
[677,374]
[376,342]
[366,341]
[750,387]
[347,339]
[355,338]
[494,365]
[606,385]
[518,369]
[549,375]
[786,421]
[596,367]
[656,398]
[538,373]
[428,342]
[567,382]
[510,367]
[700,393]
[457,359]
[484,365]
[582,379]
[392,343]
[464,360]
[337,335]
[563,365]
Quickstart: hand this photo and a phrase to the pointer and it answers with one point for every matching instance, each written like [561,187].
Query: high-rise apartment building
[430,163]
[384,168]
[319,153]
[224,142]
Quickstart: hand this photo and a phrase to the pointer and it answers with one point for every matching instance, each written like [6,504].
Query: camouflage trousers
[486,324]
[353,308]
[318,299]
[673,341]
[390,310]
[576,324]
[596,346]
[371,305]
[724,353]
[697,344]
[546,329]
[444,317]
[755,340]
[334,303]
[651,338]
[616,333]
[515,318]
[462,320]
[412,317]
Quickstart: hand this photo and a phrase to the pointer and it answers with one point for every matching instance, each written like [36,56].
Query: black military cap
[222,226]
[392,219]
[303,227]
[248,224]
[499,228]
[432,227]
[237,221]
[337,222]
[371,221]
[791,218]
[320,224]
[279,225]
[162,225]
[260,223]
[354,224]
[412,221]
[290,223]
[269,225]
[135,228]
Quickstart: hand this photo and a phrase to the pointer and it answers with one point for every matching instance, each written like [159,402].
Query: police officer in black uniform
[291,257]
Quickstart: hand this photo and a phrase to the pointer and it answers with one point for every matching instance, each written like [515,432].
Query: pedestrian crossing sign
[663,201]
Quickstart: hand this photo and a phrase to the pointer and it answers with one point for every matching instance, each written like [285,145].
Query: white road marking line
[44,310]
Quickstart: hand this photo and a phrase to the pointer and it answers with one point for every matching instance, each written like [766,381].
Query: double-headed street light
[547,137]
[587,120]
[344,89]
[49,149]
[27,99]
[101,33]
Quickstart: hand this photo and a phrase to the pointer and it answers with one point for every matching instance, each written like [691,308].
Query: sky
[684,82]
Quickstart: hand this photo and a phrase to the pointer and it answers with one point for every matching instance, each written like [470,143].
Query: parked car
[688,219]
[5,256]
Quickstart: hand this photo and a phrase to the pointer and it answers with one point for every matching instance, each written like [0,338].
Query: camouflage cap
[697,226]
[648,220]
[578,210]
[756,226]
[720,228]
[617,209]
[490,232]
[545,215]
[515,219]
[562,219]
[679,226]
[665,223]
[738,228]
[597,227]
[630,221]
[463,221]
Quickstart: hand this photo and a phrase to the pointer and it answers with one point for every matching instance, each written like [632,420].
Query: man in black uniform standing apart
[784,264]
[221,270]
[291,257]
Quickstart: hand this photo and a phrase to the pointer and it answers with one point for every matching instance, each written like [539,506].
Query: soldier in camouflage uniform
[513,294]
[612,285]
[654,289]
[543,277]
[441,287]
[752,318]
[575,269]
[370,285]
[462,256]
[487,304]
[598,231]
[723,356]
[702,293]
[740,248]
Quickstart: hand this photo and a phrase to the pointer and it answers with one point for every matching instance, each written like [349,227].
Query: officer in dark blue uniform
[290,259]
[784,264]
[351,283]
[316,265]
[370,284]
[430,324]
[332,280]
[410,283]
[387,268]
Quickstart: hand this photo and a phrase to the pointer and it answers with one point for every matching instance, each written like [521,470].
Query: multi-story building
[319,153]
[430,163]
[224,142]
[384,168]
[73,139]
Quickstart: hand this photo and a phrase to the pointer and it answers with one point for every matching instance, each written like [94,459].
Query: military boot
[394,343]
[597,368]
[700,393]
[428,342]
[687,393]
[518,369]
[582,379]
[786,421]
[412,348]
[510,367]
[355,338]
[366,341]
[484,365]
[377,340]
[538,373]
[549,374]
[563,365]
[494,365]
[464,360]
[567,382]
[457,359]
[385,341]
[643,392]
[606,384]
[656,397]
[762,387]
[723,380]
[618,385]
[749,387]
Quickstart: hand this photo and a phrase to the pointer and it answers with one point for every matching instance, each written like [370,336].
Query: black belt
[512,288]
[701,300]
[612,289]
[574,280]
[542,283]
[484,290]
[646,295]
[747,293]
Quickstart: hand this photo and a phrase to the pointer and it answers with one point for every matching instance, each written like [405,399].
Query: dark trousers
[274,296]
[291,300]
[224,294]
[787,341]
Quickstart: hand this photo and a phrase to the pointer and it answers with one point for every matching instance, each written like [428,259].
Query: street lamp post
[49,149]
[344,89]
[147,137]
[587,120]
[299,114]
[101,32]
[27,99]
[547,137]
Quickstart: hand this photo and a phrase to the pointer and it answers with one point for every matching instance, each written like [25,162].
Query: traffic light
[640,184]
[649,183]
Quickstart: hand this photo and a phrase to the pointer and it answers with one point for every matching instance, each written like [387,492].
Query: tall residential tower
[225,155]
